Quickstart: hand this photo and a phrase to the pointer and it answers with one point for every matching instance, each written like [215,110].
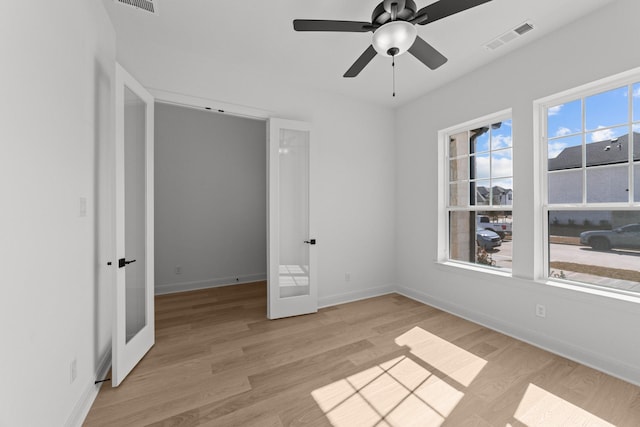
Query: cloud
[563,131]
[555,148]
[602,135]
[636,92]
[482,166]
[501,141]
[553,111]
[502,167]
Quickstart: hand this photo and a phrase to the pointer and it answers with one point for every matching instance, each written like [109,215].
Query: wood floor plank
[391,360]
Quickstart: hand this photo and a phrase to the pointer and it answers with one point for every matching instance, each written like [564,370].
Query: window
[479,171]
[593,186]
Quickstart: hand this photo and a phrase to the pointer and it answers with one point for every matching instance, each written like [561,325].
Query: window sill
[474,268]
[585,288]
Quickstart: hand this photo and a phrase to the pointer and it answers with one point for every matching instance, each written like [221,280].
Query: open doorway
[210,199]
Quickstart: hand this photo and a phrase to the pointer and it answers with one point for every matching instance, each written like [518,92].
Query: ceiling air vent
[509,36]
[150,6]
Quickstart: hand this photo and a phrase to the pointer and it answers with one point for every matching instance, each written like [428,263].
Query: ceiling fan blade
[427,54]
[443,8]
[323,25]
[361,62]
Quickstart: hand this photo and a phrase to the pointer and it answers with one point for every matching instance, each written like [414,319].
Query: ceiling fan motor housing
[382,13]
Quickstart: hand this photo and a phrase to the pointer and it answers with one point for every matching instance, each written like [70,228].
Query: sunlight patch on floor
[399,392]
[539,407]
[454,361]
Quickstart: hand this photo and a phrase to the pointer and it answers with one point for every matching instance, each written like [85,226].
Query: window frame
[444,190]
[541,137]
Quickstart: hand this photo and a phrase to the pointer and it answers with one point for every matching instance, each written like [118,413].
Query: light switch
[83,207]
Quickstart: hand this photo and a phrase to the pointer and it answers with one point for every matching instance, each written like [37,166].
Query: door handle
[122,262]
[310,242]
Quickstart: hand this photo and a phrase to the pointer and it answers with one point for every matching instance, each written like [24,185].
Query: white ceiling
[259,35]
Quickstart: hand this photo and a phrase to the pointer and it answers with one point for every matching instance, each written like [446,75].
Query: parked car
[603,240]
[487,239]
[502,228]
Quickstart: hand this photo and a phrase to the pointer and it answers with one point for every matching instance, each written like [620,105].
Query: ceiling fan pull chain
[393,67]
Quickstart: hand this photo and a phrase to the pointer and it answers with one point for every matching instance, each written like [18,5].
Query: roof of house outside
[606,152]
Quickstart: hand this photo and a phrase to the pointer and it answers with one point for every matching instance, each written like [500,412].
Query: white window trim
[443,185]
[541,225]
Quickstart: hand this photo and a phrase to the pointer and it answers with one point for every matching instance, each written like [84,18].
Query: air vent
[150,6]
[509,36]
[524,28]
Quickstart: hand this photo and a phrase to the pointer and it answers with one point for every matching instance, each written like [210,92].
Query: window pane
[607,109]
[459,194]
[608,146]
[564,119]
[501,163]
[459,145]
[459,169]
[480,166]
[636,102]
[479,140]
[565,187]
[565,153]
[482,192]
[502,192]
[461,240]
[608,184]
[636,183]
[501,135]
[636,142]
[595,247]
[498,254]
[483,238]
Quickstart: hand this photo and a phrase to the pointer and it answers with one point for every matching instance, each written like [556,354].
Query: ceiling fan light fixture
[394,38]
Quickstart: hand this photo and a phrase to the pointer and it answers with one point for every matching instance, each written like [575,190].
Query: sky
[606,117]
[499,161]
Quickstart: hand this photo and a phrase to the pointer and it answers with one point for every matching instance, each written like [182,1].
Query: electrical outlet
[73,370]
[347,277]
[178,269]
[541,310]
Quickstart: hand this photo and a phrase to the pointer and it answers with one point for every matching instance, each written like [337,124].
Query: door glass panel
[294,213]
[135,212]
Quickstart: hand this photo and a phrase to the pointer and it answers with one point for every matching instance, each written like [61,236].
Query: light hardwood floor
[385,361]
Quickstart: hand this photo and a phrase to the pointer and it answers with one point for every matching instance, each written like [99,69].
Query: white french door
[292,273]
[133,329]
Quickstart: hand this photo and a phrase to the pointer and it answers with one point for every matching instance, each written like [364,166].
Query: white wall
[57,81]
[598,331]
[356,157]
[210,205]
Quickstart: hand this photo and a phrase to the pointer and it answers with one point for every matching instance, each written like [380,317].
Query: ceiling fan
[394,32]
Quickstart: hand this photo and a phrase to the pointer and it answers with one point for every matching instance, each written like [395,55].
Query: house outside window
[592,169]
[479,192]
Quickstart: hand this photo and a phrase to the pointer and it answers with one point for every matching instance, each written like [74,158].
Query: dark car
[603,240]
[487,239]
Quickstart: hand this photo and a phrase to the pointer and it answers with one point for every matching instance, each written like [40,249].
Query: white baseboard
[355,296]
[565,349]
[172,288]
[81,410]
